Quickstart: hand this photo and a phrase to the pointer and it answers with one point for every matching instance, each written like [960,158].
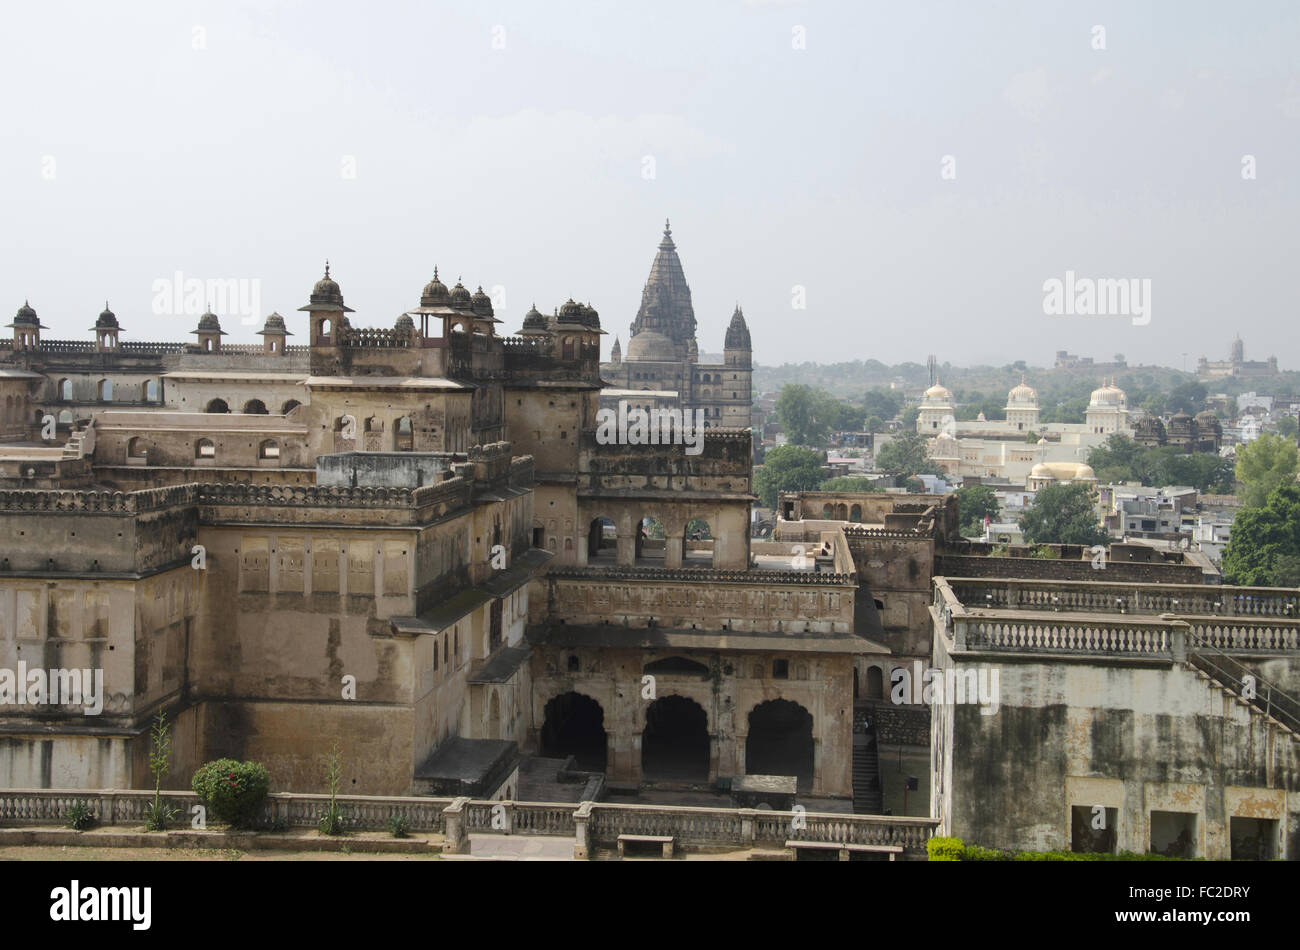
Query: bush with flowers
[233,791]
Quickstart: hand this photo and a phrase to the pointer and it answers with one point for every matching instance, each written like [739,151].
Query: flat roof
[383,382]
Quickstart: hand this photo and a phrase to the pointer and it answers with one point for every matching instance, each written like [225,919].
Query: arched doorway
[602,542]
[575,726]
[217,405]
[255,406]
[875,683]
[675,743]
[780,741]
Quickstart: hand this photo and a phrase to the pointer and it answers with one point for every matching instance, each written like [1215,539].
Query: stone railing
[1245,636]
[130,807]
[1015,635]
[373,337]
[707,575]
[327,496]
[90,501]
[140,347]
[1100,596]
[67,346]
[589,822]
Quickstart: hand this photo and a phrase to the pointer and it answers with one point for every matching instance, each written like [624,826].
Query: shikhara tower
[661,365]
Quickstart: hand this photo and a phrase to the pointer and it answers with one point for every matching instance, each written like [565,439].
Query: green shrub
[399,826]
[234,791]
[158,815]
[79,817]
[973,852]
[333,823]
[944,849]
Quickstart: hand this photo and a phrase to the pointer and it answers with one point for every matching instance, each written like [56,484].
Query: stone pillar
[747,816]
[455,827]
[626,549]
[674,540]
[582,843]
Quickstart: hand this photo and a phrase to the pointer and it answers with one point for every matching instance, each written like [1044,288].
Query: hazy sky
[216,139]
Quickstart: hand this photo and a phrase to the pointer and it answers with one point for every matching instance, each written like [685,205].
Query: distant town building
[1236,365]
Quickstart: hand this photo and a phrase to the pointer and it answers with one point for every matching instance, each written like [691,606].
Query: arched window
[217,405]
[256,407]
[204,449]
[65,389]
[137,448]
[403,440]
[65,417]
[268,449]
[105,390]
[567,348]
[289,406]
[151,390]
[374,424]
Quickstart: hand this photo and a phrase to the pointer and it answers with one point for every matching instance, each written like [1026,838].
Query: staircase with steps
[868,797]
[72,449]
[1233,677]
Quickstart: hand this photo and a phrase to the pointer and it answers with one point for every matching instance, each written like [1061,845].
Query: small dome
[275,326]
[481,303]
[534,319]
[326,295]
[209,322]
[25,316]
[106,319]
[435,293]
[945,446]
[937,394]
[460,297]
[404,322]
[1040,471]
[1022,395]
[1108,395]
[571,311]
[651,346]
[590,317]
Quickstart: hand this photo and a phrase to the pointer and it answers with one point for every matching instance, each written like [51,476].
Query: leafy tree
[882,403]
[973,503]
[1062,514]
[1188,397]
[1067,410]
[1262,465]
[700,526]
[795,412]
[909,417]
[874,424]
[787,468]
[848,483]
[808,415]
[1264,548]
[1286,427]
[905,454]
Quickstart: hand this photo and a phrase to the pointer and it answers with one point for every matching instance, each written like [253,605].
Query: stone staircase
[73,449]
[1265,701]
[868,797]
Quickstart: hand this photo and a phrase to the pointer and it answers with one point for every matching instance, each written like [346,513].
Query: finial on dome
[435,271]
[327,267]
[667,227]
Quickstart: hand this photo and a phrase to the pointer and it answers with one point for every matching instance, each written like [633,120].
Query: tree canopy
[973,503]
[1262,465]
[808,415]
[1063,513]
[787,468]
[1264,548]
[848,483]
[1121,459]
[905,454]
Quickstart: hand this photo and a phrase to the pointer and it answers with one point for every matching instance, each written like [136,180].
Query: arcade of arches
[704,719]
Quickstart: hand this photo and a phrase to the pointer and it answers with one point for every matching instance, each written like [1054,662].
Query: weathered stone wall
[948,565]
[899,725]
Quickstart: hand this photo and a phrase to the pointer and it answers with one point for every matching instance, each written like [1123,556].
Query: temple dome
[275,325]
[1022,395]
[107,319]
[737,332]
[404,322]
[534,319]
[25,316]
[435,293]
[461,298]
[481,303]
[650,346]
[1108,395]
[937,393]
